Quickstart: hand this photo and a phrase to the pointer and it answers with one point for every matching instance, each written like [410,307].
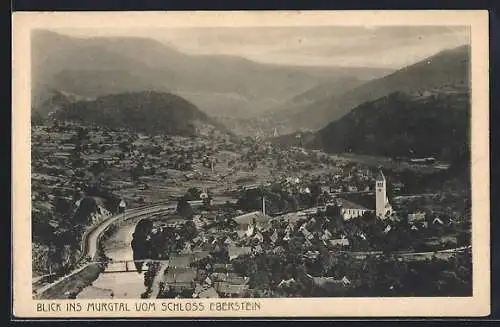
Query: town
[252,218]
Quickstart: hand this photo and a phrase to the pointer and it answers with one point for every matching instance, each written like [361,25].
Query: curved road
[90,240]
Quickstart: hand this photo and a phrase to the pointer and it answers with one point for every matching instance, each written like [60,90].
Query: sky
[383,46]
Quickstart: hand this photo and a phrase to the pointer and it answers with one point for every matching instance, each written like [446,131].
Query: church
[352,208]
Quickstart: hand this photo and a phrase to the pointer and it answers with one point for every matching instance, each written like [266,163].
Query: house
[230,290]
[397,186]
[223,267]
[311,254]
[198,255]
[230,278]
[180,279]
[304,190]
[429,160]
[236,251]
[352,188]
[437,221]
[208,293]
[245,220]
[257,249]
[287,283]
[229,241]
[335,189]
[340,242]
[330,284]
[325,189]
[180,261]
[416,217]
[122,206]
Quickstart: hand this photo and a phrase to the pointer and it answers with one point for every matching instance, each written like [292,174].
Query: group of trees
[147,244]
[276,199]
[266,271]
[386,276]
[184,209]
[375,276]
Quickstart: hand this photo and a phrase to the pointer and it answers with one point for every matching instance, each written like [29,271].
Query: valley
[280,180]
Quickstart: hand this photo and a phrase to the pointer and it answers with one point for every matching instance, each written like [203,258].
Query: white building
[349,210]
[382,207]
[416,217]
[122,206]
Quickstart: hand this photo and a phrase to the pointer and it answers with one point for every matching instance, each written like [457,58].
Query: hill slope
[400,124]
[141,111]
[449,67]
[217,84]
[327,89]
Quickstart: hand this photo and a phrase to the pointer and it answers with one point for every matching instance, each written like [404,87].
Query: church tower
[382,205]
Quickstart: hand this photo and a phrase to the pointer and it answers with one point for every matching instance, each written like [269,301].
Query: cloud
[384,46]
[378,47]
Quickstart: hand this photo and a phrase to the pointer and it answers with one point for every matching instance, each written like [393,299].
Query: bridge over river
[123,266]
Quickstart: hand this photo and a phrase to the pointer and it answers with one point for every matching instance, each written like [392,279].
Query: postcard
[250,164]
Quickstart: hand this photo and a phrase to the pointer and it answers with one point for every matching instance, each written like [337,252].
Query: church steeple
[382,205]
[380,176]
[275,132]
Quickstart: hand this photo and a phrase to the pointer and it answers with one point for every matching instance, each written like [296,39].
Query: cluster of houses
[196,271]
[196,274]
[256,233]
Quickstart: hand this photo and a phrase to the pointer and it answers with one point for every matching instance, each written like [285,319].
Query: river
[121,285]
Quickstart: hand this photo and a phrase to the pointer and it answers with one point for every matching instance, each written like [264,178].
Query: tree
[137,171]
[82,133]
[62,207]
[188,230]
[98,167]
[184,208]
[193,193]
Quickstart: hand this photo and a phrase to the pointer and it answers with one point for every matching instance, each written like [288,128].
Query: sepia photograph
[237,163]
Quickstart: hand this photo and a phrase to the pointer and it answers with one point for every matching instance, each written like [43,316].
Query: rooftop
[236,251]
[208,293]
[357,201]
[226,288]
[180,275]
[180,261]
[249,217]
[346,204]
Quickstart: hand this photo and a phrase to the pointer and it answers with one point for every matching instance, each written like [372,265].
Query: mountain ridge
[148,111]
[445,67]
[124,64]
[402,125]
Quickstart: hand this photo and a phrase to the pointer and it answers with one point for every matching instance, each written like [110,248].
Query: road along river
[123,284]
[118,247]
[76,279]
[117,285]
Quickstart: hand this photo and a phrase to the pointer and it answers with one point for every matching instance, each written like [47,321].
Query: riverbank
[71,285]
[117,285]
